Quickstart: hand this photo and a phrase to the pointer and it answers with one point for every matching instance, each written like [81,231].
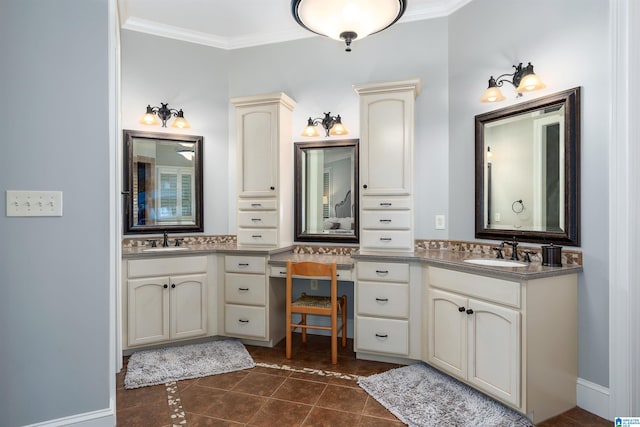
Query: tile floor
[274,397]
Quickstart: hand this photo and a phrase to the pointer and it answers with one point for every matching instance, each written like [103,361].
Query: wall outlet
[314,284]
[34,203]
[440,224]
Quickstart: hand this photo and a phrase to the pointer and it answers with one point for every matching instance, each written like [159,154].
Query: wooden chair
[316,305]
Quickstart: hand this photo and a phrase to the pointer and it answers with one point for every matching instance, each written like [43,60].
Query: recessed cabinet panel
[148,310]
[240,320]
[383,271]
[396,220]
[258,152]
[166,266]
[188,306]
[257,204]
[383,299]
[448,332]
[387,239]
[382,335]
[258,219]
[245,288]
[245,264]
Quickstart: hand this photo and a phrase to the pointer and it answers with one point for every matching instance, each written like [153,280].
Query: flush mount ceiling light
[347,19]
[332,125]
[164,114]
[523,79]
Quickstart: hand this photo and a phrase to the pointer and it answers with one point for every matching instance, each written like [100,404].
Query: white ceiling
[240,23]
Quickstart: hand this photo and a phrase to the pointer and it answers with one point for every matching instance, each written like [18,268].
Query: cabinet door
[257,150]
[494,350]
[148,310]
[188,306]
[386,143]
[448,332]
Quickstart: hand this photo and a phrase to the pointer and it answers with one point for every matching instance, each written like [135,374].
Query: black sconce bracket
[164,113]
[515,77]
[327,121]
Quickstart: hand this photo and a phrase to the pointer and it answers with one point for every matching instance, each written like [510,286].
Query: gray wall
[567,42]
[190,77]
[54,308]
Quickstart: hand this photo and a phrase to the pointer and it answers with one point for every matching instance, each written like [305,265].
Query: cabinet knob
[365,186]
[272,188]
[165,286]
[173,285]
[461,309]
[469,311]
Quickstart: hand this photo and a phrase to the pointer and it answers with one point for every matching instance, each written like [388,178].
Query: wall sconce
[164,114]
[347,19]
[332,125]
[523,79]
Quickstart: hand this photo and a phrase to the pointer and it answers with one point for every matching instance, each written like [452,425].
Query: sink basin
[495,262]
[167,249]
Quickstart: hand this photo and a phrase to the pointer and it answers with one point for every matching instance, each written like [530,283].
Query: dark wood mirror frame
[128,183]
[570,233]
[300,234]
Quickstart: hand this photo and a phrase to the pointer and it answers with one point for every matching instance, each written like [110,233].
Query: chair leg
[334,339]
[303,321]
[288,338]
[344,320]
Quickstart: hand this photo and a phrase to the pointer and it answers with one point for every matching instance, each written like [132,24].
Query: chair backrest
[311,269]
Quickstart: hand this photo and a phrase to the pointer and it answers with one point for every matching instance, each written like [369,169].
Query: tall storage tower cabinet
[265,169]
[387,111]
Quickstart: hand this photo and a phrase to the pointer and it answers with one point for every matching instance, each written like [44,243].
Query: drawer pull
[382,335]
[461,309]
[243,289]
[382,271]
[385,221]
[243,264]
[257,236]
[256,205]
[385,239]
[284,273]
[382,299]
[385,204]
[256,219]
[243,320]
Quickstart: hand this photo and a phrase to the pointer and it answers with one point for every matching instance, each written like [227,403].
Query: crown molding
[433,10]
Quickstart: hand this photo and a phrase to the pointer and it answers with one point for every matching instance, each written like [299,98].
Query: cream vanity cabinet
[514,340]
[252,309]
[387,309]
[265,172]
[387,112]
[166,299]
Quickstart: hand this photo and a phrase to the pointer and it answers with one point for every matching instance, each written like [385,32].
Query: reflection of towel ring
[517,206]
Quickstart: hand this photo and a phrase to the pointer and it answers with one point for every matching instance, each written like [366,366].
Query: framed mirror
[528,171]
[326,191]
[162,183]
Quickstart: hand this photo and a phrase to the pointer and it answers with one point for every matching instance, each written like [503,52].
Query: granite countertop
[444,258]
[455,261]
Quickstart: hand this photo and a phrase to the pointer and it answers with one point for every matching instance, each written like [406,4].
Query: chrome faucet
[165,240]
[514,249]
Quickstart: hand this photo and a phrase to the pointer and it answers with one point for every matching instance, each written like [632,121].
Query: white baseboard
[593,397]
[101,418]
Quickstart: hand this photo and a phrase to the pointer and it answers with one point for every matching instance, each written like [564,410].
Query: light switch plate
[440,225]
[34,203]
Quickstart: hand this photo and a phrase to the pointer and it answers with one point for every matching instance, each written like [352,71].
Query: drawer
[166,266]
[245,264]
[383,271]
[343,274]
[257,205]
[396,220]
[386,203]
[258,219]
[482,287]
[245,321]
[383,299]
[245,288]
[387,239]
[382,335]
[257,236]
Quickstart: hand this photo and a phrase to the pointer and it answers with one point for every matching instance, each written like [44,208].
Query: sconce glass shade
[529,83]
[180,121]
[492,94]
[338,128]
[333,18]
[149,117]
[310,130]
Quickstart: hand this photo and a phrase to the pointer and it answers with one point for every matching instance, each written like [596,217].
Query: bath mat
[422,396]
[163,365]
